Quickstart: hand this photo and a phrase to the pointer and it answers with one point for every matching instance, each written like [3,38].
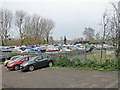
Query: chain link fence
[79,55]
[82,56]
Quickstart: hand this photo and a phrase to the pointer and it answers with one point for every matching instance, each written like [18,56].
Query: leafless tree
[19,23]
[38,28]
[97,36]
[5,25]
[47,27]
[28,27]
[34,27]
[116,22]
[105,23]
[89,33]
[111,30]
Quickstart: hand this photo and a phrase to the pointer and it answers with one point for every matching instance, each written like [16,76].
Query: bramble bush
[63,62]
[108,65]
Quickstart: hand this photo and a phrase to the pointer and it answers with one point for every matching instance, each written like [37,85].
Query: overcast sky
[70,16]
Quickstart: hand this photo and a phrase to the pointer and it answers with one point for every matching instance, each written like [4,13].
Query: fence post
[85,55]
[114,56]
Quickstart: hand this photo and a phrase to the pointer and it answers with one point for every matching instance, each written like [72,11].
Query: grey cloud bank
[70,17]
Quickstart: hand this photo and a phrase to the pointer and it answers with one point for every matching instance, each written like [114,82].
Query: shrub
[63,62]
[108,65]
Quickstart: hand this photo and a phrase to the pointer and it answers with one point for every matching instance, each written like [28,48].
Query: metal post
[119,41]
[85,55]
[114,56]
[119,27]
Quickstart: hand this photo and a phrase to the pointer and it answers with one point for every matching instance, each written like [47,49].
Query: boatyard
[59,44]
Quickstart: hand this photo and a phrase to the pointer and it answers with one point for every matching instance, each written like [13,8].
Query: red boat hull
[53,51]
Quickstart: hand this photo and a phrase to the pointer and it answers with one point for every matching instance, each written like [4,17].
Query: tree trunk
[3,42]
[21,42]
[105,54]
[47,38]
[21,39]
[40,39]
[101,53]
[118,51]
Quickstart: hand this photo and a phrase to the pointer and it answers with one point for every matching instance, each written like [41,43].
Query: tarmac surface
[0,76]
[59,78]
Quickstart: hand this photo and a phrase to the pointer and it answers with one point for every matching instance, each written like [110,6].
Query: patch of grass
[68,68]
[96,56]
[10,54]
[14,54]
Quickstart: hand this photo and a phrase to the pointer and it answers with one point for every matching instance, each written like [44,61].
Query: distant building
[65,39]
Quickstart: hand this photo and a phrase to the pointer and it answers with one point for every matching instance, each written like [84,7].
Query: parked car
[14,57]
[37,62]
[4,57]
[15,64]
